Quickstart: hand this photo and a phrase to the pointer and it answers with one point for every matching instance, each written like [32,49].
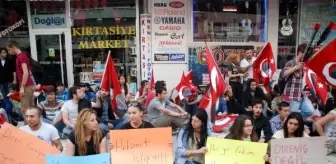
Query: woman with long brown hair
[242,129]
[87,138]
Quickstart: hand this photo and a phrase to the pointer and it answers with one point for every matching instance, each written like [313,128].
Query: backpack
[282,81]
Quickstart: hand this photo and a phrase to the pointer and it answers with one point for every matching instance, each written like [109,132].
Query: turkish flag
[189,76]
[217,82]
[184,89]
[316,85]
[205,102]
[264,66]
[152,81]
[110,80]
[323,63]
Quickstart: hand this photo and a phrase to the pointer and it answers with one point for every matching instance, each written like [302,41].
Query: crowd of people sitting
[85,117]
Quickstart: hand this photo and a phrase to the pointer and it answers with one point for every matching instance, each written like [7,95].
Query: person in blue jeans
[221,105]
[293,91]
[107,120]
[191,141]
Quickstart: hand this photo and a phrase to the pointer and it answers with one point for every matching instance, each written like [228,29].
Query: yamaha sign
[48,21]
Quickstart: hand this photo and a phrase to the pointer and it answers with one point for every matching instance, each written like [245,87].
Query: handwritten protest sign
[91,159]
[299,151]
[19,147]
[234,152]
[144,146]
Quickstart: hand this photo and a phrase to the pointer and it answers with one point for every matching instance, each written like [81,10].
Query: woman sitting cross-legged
[87,138]
[191,141]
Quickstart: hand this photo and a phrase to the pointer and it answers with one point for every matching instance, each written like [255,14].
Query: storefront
[71,39]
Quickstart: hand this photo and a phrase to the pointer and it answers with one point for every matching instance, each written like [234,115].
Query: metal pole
[61,56]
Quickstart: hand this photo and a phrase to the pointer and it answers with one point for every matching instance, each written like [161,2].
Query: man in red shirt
[26,79]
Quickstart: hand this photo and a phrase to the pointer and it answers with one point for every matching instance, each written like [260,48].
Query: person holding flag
[217,83]
[293,72]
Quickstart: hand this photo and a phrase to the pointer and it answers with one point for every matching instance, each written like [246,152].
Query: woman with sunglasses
[135,114]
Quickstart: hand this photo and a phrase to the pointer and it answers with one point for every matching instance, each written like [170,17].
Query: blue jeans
[305,107]
[116,123]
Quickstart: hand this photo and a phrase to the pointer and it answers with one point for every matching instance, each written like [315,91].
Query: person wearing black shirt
[7,72]
[260,122]
[135,113]
[87,138]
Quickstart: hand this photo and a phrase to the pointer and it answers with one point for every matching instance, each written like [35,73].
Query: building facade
[70,39]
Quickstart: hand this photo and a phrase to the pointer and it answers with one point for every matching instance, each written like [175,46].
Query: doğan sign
[124,34]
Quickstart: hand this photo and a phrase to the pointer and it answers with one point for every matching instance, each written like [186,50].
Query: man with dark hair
[246,65]
[293,92]
[62,93]
[41,130]
[151,95]
[7,72]
[70,109]
[260,122]
[169,116]
[51,108]
[26,79]
[107,119]
[278,120]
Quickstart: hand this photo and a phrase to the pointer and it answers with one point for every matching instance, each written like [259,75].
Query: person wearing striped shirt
[51,109]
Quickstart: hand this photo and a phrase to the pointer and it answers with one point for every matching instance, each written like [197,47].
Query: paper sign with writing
[299,151]
[142,146]
[90,159]
[19,147]
[234,152]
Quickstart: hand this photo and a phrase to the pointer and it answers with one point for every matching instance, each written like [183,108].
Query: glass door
[51,56]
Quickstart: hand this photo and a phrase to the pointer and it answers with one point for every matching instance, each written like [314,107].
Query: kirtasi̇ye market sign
[103,37]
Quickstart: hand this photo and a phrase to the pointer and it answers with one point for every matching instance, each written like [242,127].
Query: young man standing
[293,92]
[246,65]
[7,73]
[43,131]
[26,79]
[160,115]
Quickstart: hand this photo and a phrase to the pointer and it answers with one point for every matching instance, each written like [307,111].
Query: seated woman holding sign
[191,141]
[293,127]
[135,114]
[87,138]
[242,129]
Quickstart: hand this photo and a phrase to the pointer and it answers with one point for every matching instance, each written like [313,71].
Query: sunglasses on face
[136,104]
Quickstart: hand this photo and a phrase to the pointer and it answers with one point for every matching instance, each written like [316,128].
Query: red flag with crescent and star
[323,63]
[264,66]
[110,80]
[316,85]
[217,82]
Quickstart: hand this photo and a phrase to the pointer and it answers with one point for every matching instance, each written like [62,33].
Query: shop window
[14,24]
[287,33]
[229,21]
[48,14]
[100,27]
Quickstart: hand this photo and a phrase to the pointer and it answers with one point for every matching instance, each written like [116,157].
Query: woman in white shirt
[292,128]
